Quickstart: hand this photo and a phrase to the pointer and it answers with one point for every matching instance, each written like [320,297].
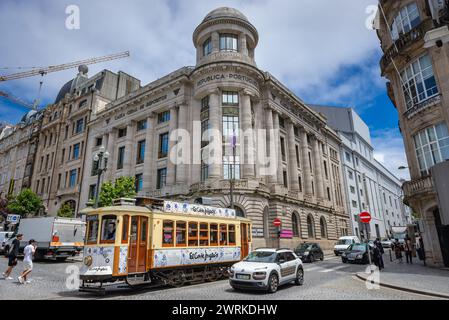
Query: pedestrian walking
[28,252]
[398,250]
[12,257]
[408,248]
[381,250]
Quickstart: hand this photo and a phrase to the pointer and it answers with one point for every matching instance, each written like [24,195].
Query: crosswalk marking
[333,269]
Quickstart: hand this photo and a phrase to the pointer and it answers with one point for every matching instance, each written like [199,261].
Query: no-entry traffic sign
[277,222]
[365,217]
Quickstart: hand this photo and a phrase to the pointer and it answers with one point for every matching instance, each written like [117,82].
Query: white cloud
[389,150]
[303,43]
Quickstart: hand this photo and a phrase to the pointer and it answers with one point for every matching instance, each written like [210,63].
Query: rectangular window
[161,178]
[204,171]
[92,191]
[181,234]
[354,204]
[207,47]
[230,98]
[432,147]
[141,152]
[350,175]
[122,132]
[205,104]
[232,235]
[167,233]
[193,234]
[285,179]
[92,229]
[139,183]
[298,161]
[163,117]
[228,42]
[99,142]
[205,126]
[79,126]
[231,163]
[283,149]
[419,82]
[120,158]
[348,157]
[326,174]
[76,151]
[407,19]
[141,125]
[223,235]
[72,178]
[213,237]
[204,234]
[125,228]
[163,145]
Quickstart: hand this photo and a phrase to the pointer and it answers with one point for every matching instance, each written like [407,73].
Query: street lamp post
[101,158]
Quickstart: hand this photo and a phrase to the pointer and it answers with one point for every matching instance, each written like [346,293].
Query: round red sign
[365,217]
[277,222]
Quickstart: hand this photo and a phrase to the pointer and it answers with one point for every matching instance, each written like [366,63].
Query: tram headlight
[88,261]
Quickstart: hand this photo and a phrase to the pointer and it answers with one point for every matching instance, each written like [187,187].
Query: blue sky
[320,49]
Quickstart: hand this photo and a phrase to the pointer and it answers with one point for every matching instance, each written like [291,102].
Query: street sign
[277,222]
[13,218]
[365,217]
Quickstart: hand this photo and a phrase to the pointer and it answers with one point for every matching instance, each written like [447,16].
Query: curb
[422,292]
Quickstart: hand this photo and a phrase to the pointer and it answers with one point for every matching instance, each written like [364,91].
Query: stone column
[171,167]
[215,124]
[318,174]
[243,44]
[111,147]
[279,172]
[272,152]
[128,170]
[195,156]
[306,172]
[150,157]
[293,165]
[181,170]
[247,139]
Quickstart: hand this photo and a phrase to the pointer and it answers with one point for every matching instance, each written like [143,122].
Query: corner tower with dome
[155,135]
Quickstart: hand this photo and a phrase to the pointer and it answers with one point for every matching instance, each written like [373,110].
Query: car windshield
[261,256]
[344,242]
[358,247]
[304,247]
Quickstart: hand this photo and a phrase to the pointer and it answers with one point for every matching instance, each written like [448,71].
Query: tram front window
[92,229]
[108,228]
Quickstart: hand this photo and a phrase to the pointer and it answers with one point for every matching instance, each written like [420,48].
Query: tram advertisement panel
[181,257]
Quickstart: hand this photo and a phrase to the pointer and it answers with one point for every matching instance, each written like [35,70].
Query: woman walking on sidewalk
[397,250]
[408,249]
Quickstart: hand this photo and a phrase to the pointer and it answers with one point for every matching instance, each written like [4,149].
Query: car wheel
[299,281]
[273,283]
[311,258]
[344,260]
[322,257]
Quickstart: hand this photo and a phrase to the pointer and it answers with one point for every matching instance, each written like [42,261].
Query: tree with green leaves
[26,203]
[66,211]
[124,187]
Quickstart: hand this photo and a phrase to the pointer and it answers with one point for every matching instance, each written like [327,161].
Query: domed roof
[64,90]
[27,117]
[225,12]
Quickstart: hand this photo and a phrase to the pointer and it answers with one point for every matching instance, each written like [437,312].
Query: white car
[4,237]
[267,269]
[343,244]
[386,243]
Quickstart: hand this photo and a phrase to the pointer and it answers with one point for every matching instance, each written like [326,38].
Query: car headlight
[88,261]
[343,254]
[259,275]
[231,272]
[359,256]
[306,253]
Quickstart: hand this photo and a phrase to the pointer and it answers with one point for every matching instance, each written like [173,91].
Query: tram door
[137,256]
[244,237]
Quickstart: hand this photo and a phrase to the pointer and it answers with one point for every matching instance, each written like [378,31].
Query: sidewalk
[414,278]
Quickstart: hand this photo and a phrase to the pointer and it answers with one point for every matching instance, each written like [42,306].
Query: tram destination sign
[196,209]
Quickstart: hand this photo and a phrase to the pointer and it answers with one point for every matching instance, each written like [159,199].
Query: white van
[343,244]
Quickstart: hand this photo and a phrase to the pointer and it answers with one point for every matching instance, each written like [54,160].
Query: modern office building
[369,185]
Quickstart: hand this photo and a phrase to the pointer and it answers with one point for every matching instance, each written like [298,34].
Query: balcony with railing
[404,42]
[417,188]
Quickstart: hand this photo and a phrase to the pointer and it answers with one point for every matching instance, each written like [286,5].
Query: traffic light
[279,233]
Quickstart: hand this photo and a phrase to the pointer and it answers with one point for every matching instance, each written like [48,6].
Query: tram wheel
[177,279]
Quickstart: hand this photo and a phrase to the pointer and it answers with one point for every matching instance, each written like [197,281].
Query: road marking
[312,269]
[333,269]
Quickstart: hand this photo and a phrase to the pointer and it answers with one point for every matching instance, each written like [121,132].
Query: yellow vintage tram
[161,243]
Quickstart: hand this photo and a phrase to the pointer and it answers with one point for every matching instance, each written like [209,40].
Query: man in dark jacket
[381,251]
[12,257]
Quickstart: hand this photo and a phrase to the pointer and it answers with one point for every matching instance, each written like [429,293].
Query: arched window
[310,227]
[239,212]
[323,228]
[295,225]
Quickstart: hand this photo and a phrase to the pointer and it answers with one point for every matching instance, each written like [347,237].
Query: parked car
[386,243]
[4,236]
[343,244]
[267,269]
[357,253]
[309,252]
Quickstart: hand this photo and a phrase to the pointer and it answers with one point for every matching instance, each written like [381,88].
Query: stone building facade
[58,169]
[413,35]
[369,185]
[18,146]
[164,134]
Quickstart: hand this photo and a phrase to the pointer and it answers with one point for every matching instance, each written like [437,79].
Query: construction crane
[18,101]
[44,71]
